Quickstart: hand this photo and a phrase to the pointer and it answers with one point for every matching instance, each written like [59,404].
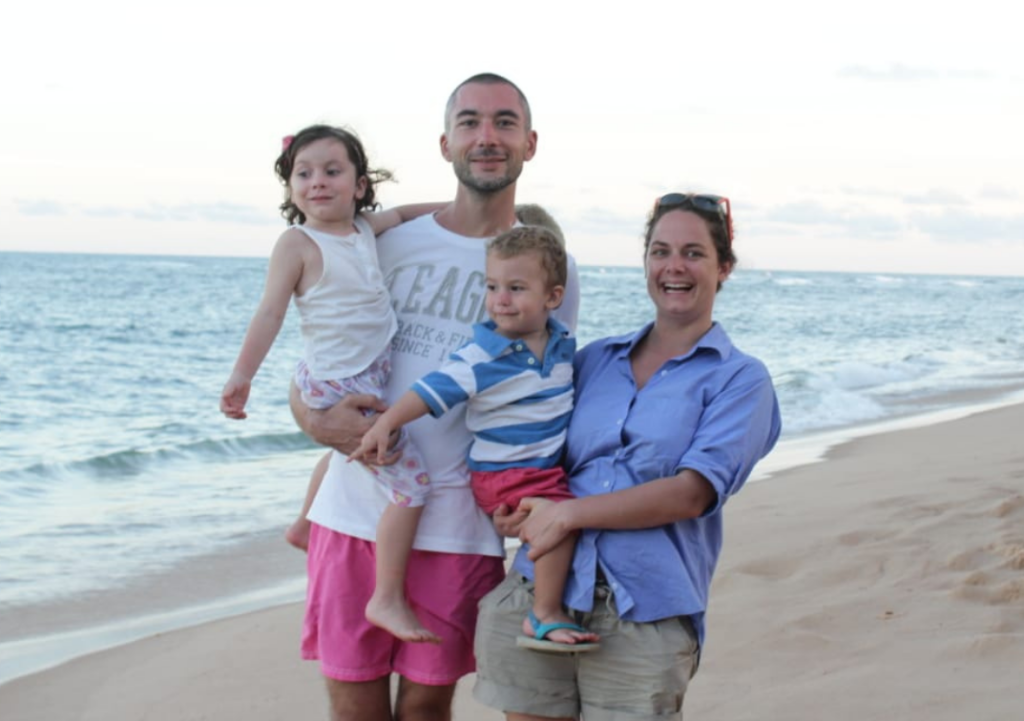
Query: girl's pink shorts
[443,590]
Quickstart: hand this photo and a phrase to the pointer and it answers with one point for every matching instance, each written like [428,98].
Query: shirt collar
[715,339]
[487,337]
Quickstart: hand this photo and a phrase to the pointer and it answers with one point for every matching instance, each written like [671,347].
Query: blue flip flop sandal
[538,642]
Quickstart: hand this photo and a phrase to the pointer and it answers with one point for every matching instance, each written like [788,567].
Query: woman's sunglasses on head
[706,203]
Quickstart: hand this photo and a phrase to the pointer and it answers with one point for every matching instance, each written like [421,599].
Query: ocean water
[115,462]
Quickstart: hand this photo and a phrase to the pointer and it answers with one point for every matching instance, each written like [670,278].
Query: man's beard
[485,186]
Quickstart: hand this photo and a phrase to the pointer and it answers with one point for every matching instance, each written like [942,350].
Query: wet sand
[885,582]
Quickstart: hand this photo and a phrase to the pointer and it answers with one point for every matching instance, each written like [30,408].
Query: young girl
[327,262]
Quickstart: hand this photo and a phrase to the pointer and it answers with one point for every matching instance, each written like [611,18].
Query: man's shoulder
[423,239]
[423,225]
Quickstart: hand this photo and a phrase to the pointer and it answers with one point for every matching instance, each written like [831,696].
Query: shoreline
[839,522]
[263,572]
[35,654]
[810,448]
[260,572]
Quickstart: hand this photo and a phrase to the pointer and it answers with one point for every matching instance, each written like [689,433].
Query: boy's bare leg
[387,607]
[298,533]
[549,574]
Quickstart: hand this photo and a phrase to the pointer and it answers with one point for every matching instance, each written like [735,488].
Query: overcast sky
[869,136]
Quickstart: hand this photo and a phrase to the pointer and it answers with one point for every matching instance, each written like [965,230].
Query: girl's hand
[547,523]
[234,396]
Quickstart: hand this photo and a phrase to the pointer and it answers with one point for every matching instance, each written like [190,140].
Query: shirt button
[618,422]
[664,373]
[530,361]
[606,484]
[519,346]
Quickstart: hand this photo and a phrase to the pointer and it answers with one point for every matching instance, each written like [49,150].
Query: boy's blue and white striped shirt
[518,407]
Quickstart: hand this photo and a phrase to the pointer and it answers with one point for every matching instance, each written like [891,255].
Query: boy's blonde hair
[534,239]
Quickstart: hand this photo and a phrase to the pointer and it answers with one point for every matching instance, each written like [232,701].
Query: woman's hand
[546,524]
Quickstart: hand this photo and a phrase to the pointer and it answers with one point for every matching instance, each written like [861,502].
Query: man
[434,269]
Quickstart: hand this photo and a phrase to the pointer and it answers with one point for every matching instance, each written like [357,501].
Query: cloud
[866,192]
[154,214]
[957,226]
[999,192]
[895,72]
[802,213]
[970,74]
[222,212]
[105,212]
[898,72]
[872,225]
[203,212]
[600,221]
[935,196]
[944,216]
[848,221]
[39,207]
[932,196]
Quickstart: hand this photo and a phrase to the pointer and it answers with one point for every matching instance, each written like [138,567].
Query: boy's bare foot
[569,634]
[298,534]
[397,618]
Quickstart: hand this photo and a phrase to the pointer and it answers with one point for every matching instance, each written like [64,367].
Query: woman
[669,422]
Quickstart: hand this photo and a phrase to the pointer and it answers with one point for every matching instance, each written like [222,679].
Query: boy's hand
[234,396]
[373,448]
[507,523]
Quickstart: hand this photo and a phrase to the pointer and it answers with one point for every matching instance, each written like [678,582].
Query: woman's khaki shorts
[640,672]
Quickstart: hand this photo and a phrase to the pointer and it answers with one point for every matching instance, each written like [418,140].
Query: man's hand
[341,426]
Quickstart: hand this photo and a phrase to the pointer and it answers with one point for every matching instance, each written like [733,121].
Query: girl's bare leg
[388,607]
[298,533]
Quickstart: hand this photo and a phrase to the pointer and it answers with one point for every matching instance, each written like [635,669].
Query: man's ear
[531,148]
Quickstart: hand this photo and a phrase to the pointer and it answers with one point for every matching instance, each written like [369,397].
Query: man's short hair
[488,79]
[534,239]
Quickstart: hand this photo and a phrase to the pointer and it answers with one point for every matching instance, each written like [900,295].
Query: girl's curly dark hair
[356,154]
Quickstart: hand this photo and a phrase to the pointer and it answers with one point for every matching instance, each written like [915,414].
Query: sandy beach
[885,582]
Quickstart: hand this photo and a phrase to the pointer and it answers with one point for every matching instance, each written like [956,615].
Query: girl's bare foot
[395,617]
